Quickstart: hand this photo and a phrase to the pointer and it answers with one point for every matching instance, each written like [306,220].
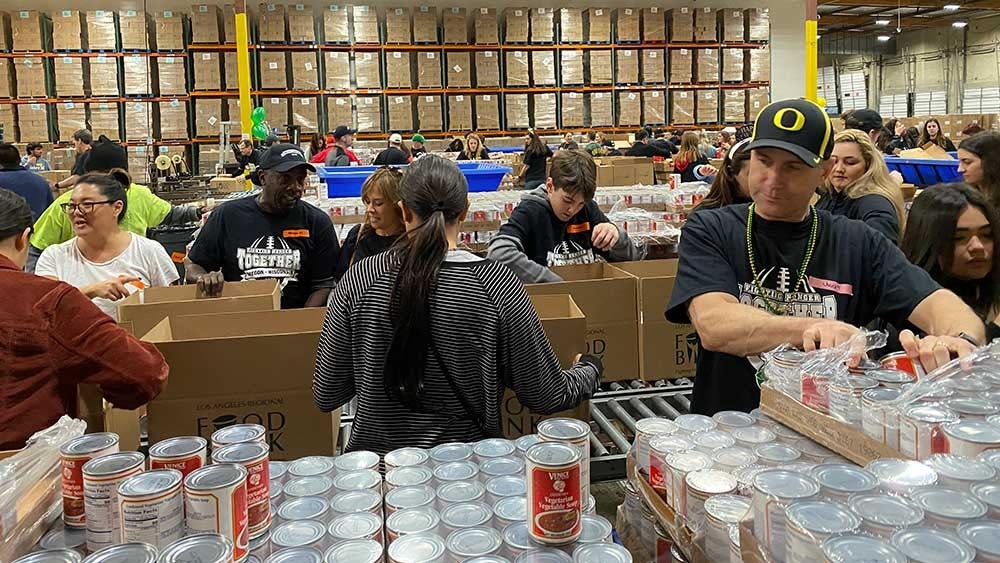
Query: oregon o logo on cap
[800,120]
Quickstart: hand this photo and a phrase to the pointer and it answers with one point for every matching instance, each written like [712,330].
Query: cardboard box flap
[237,325]
[177,293]
[656,283]
[556,307]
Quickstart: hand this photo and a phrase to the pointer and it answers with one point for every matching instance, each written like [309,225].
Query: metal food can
[969,408]
[881,515]
[721,513]
[517,540]
[604,552]
[929,544]
[456,471]
[299,533]
[920,433]
[595,529]
[901,476]
[859,548]
[253,457]
[356,461]
[409,497]
[510,510]
[575,433]
[499,488]
[467,543]
[360,501]
[277,471]
[406,457]
[700,486]
[499,467]
[744,478]
[735,553]
[845,397]
[276,493]
[960,472]
[645,429]
[812,522]
[555,501]
[132,552]
[61,537]
[774,490]
[465,515]
[775,454]
[260,547]
[73,455]
[988,494]
[355,551]
[660,448]
[731,420]
[864,365]
[663,545]
[101,478]
[152,507]
[970,437]
[51,556]
[984,537]
[184,453]
[968,386]
[690,424]
[358,526]
[753,436]
[407,476]
[311,466]
[708,442]
[296,555]
[413,521]
[544,555]
[814,385]
[838,481]
[879,418]
[449,452]
[358,480]
[901,362]
[678,466]
[203,548]
[457,492]
[238,434]
[417,548]
[492,448]
[304,508]
[947,508]
[524,442]
[215,501]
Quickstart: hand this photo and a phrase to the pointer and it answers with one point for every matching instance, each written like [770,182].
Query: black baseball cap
[798,126]
[866,120]
[282,157]
[341,131]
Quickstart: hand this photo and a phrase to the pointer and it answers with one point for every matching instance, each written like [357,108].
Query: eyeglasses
[85,208]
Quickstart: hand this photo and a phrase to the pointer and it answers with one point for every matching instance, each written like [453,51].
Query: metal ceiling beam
[907,22]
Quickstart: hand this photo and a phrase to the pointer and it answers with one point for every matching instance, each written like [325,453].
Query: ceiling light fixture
[959,24]
[884,38]
[951,7]
[883,22]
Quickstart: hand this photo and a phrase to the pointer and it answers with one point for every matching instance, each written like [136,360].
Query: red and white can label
[902,362]
[74,512]
[919,439]
[183,464]
[554,506]
[657,477]
[815,389]
[258,496]
[222,512]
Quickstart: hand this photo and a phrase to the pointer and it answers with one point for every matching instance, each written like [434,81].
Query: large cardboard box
[668,350]
[222,372]
[460,69]
[543,68]
[171,75]
[67,30]
[572,109]
[757,98]
[273,70]
[517,68]
[627,67]
[305,71]
[456,25]
[33,121]
[760,64]
[628,25]
[7,80]
[543,25]
[229,23]
[516,25]
[271,23]
[571,69]
[425,24]
[232,79]
[206,24]
[759,24]
[338,70]
[681,66]
[682,107]
[629,108]
[365,25]
[565,327]
[732,65]
[207,115]
[207,71]
[28,30]
[571,25]
[598,25]
[682,25]
[429,113]
[100,30]
[141,311]
[487,69]
[301,24]
[69,76]
[400,113]
[708,106]
[168,30]
[429,69]
[137,74]
[368,70]
[487,27]
[4,31]
[601,69]
[460,113]
[516,109]
[8,123]
[733,25]
[706,25]
[336,25]
[654,107]
[277,110]
[399,74]
[543,111]
[173,120]
[607,296]
[369,114]
[734,106]
[653,24]
[29,76]
[339,111]
[654,66]
[601,109]
[397,26]
[305,114]
[133,29]
[708,65]
[487,107]
[104,120]
[70,117]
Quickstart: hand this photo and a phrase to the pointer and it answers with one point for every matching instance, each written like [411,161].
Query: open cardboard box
[665,515]
[607,296]
[566,328]
[251,367]
[143,310]
[667,350]
[927,151]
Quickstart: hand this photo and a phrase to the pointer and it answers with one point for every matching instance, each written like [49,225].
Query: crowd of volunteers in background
[803,237]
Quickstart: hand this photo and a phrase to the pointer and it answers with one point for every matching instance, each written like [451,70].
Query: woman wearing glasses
[105,262]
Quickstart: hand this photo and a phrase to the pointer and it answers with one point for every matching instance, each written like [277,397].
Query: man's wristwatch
[970,339]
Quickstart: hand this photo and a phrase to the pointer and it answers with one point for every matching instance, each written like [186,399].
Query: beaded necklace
[810,247]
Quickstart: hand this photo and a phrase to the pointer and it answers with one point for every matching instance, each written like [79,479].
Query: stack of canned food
[493,501]
[806,502]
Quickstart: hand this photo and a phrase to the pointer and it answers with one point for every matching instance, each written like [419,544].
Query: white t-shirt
[143,258]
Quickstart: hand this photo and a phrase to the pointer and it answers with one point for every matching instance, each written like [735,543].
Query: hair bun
[122,176]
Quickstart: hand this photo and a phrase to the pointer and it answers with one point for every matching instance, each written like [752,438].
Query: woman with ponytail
[428,336]
[104,261]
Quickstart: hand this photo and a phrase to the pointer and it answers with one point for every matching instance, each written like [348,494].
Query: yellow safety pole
[243,65]
[812,50]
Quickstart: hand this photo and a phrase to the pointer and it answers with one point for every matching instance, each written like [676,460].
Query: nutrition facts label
[157,522]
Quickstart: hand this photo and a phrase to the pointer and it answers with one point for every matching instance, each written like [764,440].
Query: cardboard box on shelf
[208,159]
[336,25]
[629,108]
[516,109]
[138,69]
[365,28]
[400,113]
[654,107]
[598,25]
[7,79]
[168,30]
[488,69]
[708,106]
[369,114]
[601,70]
[61,159]
[572,109]
[682,107]
[682,24]
[271,23]
[104,120]
[571,25]
[455,22]
[171,75]
[99,30]
[627,67]
[543,25]
[517,68]
[301,24]
[339,111]
[571,69]
[67,30]
[397,26]
[229,23]
[207,115]
[460,113]
[708,65]
[653,24]
[759,24]
[69,117]
[273,70]
[760,64]
[734,106]
[33,121]
[27,29]
[206,24]
[486,26]
[29,76]
[305,114]
[232,80]
[733,25]
[543,68]
[487,107]
[543,111]
[244,351]
[429,69]
[338,70]
[367,70]
[628,25]
[133,29]
[4,31]
[607,296]
[305,70]
[460,69]
[732,65]
[429,113]
[173,120]
[8,123]
[139,118]
[516,25]
[207,69]
[398,72]
[654,66]
[68,74]
[277,110]
[706,24]
[565,327]
[601,109]
[681,66]
[425,24]
[757,98]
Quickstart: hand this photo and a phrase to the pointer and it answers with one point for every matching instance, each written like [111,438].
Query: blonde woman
[383,220]
[860,187]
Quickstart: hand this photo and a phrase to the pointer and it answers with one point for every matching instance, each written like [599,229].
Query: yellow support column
[243,65]
[812,50]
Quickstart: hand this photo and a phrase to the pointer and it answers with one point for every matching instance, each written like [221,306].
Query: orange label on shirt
[178,257]
[578,228]
[296,233]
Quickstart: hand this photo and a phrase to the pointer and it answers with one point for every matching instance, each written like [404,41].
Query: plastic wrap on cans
[753,436]
[276,493]
[815,383]
[473,542]
[700,486]
[970,438]
[920,432]
[253,456]
[947,508]
[544,555]
[900,361]
[101,478]
[355,461]
[902,476]
[577,434]
[783,371]
[450,452]
[689,424]
[362,501]
[457,492]
[358,480]
[960,472]
[315,486]
[860,548]
[984,537]
[774,454]
[74,454]
[304,508]
[968,386]
[839,481]
[645,429]
[774,490]
[204,548]
[418,548]
[988,494]
[744,478]
[405,457]
[499,488]
[215,501]
[499,467]
[277,471]
[891,378]
[721,513]
[882,514]
[152,507]
[731,459]
[845,397]
[679,465]
[237,434]
[310,466]
[660,448]
[51,556]
[184,453]
[510,510]
[555,504]
[296,555]
[812,522]
[299,533]
[879,417]
[708,442]
[407,477]
[929,544]
[133,552]
[731,420]
[355,551]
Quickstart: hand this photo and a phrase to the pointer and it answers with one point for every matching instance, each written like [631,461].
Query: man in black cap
[755,276]
[341,154]
[274,235]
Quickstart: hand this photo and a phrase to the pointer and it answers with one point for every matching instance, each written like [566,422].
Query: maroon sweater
[52,338]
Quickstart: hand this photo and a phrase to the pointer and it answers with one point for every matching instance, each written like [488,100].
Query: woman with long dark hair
[428,336]
[932,134]
[536,155]
[316,145]
[979,164]
[731,185]
[383,220]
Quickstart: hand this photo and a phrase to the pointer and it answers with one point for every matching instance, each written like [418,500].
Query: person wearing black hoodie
[643,147]
[560,224]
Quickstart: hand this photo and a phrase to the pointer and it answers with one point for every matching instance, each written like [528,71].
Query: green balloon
[259,131]
[258,115]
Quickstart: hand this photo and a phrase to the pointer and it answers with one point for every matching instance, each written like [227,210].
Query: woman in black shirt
[383,220]
[535,157]
[474,149]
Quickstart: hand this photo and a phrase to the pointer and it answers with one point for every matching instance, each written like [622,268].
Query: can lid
[210,548]
[961,468]
[456,471]
[414,548]
[303,508]
[355,551]
[358,501]
[754,435]
[317,485]
[488,559]
[886,510]
[855,382]
[357,480]
[412,521]
[735,419]
[844,478]
[822,517]
[594,528]
[296,555]
[988,493]
[461,491]
[150,482]
[984,536]
[511,508]
[516,536]
[277,469]
[689,461]
[132,552]
[471,542]
[976,431]
[553,454]
[507,485]
[902,472]
[63,538]
[788,358]
[890,375]
[727,508]
[670,443]
[298,533]
[930,413]
[89,443]
[604,552]
[215,476]
[810,448]
[776,452]
[408,476]
[524,442]
[695,423]
[785,484]
[949,503]
[543,555]
[409,497]
[466,515]
[241,452]
[114,463]
[501,466]
[563,429]
[310,466]
[654,426]
[51,556]
[452,451]
[353,461]
[713,440]
[238,433]
[967,384]
[711,481]
[406,457]
[849,549]
[360,525]
[178,447]
[881,394]
[929,545]
[493,447]
[972,406]
[735,456]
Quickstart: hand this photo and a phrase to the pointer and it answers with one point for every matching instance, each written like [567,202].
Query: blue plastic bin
[346,181]
[924,172]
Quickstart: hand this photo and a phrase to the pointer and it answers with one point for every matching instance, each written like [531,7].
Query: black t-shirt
[874,210]
[80,164]
[299,248]
[354,251]
[536,165]
[417,152]
[648,149]
[391,156]
[855,275]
